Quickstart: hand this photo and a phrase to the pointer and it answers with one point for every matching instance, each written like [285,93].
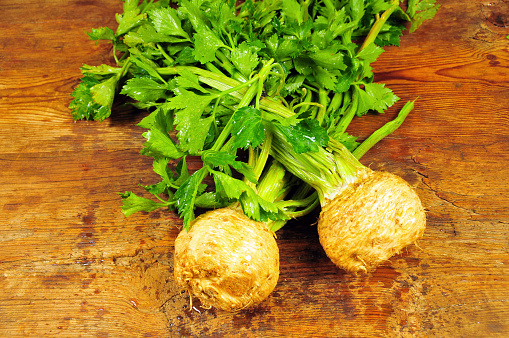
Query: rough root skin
[227,260]
[370,221]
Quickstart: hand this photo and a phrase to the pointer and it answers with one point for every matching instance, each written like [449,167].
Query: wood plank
[72,264]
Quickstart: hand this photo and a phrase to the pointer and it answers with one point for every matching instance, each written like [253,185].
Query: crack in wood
[436,193]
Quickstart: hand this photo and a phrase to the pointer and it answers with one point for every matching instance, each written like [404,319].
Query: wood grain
[72,265]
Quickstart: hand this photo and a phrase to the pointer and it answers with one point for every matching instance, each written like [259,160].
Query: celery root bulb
[227,260]
[370,220]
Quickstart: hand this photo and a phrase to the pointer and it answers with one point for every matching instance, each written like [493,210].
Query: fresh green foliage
[103,33]
[248,127]
[93,98]
[217,78]
[421,10]
[307,135]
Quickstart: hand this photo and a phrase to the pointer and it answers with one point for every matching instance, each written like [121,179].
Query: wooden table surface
[72,265]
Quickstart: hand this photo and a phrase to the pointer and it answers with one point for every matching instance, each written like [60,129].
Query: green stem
[380,21]
[210,66]
[323,99]
[385,130]
[309,204]
[305,11]
[348,117]
[307,104]
[335,103]
[175,70]
[245,101]
[272,185]
[275,186]
[310,207]
[319,169]
[166,56]
[229,67]
[262,158]
[221,82]
[304,100]
[330,6]
[125,67]
[239,87]
[299,203]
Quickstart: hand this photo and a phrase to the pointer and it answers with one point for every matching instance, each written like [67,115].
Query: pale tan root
[227,260]
[370,221]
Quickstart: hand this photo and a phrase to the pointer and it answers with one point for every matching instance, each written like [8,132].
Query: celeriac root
[369,221]
[227,260]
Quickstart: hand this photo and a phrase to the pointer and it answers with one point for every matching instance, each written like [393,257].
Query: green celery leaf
[131,203]
[100,70]
[245,58]
[377,6]
[144,89]
[166,21]
[246,170]
[356,9]
[148,121]
[248,5]
[287,47]
[181,172]
[222,17]
[159,142]
[211,200]
[303,65]
[147,34]
[294,83]
[93,97]
[344,82]
[160,166]
[83,106]
[301,31]
[218,159]
[253,205]
[156,189]
[337,24]
[367,56]
[189,80]
[349,141]
[271,45]
[131,17]
[391,36]
[221,159]
[325,78]
[147,65]
[306,135]
[186,194]
[103,33]
[293,10]
[260,209]
[104,92]
[328,59]
[206,43]
[185,56]
[421,10]
[193,129]
[248,129]
[370,53]
[228,185]
[191,10]
[320,39]
[375,96]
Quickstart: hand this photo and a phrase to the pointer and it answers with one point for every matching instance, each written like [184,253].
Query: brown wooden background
[72,265]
